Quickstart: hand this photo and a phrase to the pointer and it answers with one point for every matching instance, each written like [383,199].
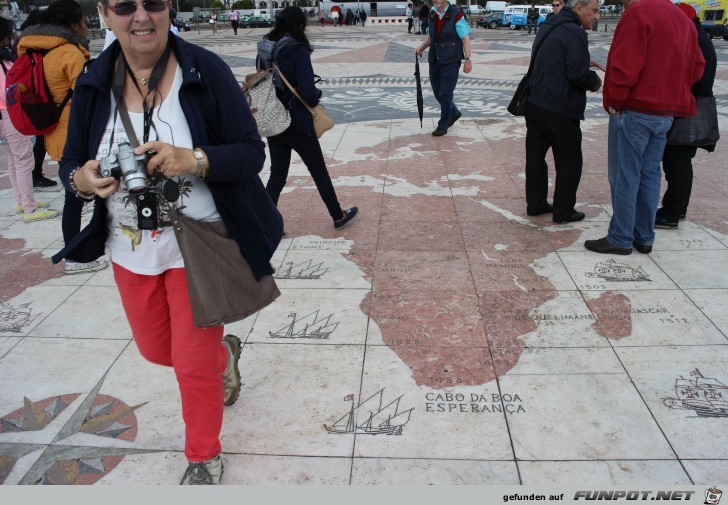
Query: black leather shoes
[455,118]
[661,222]
[548,209]
[439,132]
[643,248]
[603,246]
[575,216]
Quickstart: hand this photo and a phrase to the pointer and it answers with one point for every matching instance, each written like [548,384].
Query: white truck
[495,6]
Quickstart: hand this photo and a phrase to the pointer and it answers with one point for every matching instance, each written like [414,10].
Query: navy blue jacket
[221,125]
[561,75]
[294,61]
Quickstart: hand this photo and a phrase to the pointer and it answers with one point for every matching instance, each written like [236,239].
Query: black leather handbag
[698,130]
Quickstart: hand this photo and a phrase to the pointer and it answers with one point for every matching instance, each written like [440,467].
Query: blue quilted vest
[446,46]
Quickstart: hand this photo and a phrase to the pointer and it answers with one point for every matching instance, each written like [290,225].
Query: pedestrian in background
[18,146]
[234,21]
[424,17]
[293,58]
[449,42]
[62,35]
[532,19]
[410,19]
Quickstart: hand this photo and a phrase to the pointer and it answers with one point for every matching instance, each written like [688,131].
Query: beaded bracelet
[83,196]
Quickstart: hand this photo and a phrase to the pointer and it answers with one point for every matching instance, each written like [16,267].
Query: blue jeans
[443,79]
[636,144]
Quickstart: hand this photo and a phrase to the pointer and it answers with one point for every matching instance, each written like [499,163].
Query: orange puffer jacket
[61,65]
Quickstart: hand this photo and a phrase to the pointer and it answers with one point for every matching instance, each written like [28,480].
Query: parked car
[492,20]
[181,25]
[256,22]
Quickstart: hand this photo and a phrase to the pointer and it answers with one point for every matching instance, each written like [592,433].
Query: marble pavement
[458,341]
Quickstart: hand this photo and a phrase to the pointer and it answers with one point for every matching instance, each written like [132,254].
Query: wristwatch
[201,162]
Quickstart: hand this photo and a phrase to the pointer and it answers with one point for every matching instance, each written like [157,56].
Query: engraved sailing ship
[16,318]
[371,418]
[706,396]
[302,270]
[308,326]
[612,271]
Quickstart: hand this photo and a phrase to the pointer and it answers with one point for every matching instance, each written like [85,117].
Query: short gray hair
[573,3]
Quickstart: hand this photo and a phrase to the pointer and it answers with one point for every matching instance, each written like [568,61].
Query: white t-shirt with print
[151,252]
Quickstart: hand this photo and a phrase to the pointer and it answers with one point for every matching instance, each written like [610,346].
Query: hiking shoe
[41,205]
[39,215]
[71,267]
[43,182]
[349,215]
[231,375]
[205,473]
[661,222]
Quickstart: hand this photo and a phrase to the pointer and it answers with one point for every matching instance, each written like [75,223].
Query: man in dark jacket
[559,82]
[532,18]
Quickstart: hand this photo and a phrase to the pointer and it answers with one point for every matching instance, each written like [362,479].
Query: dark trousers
[678,167]
[235,25]
[544,130]
[443,79]
[410,22]
[39,152]
[309,149]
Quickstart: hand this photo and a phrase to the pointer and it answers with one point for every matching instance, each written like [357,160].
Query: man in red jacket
[653,62]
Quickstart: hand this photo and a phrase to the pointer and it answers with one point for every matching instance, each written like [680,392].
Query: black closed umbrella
[420,101]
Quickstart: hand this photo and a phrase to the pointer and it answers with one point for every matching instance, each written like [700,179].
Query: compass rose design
[59,445]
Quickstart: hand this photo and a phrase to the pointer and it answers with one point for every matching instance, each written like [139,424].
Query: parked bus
[388,9]
[516,16]
[712,15]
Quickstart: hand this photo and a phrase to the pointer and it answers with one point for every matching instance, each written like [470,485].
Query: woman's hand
[168,159]
[88,181]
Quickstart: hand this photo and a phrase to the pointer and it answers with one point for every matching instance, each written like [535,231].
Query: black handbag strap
[540,43]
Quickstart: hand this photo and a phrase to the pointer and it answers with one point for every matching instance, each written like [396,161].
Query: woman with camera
[62,33]
[287,46]
[182,108]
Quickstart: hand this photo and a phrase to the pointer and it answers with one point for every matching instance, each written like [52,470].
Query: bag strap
[63,103]
[540,43]
[310,109]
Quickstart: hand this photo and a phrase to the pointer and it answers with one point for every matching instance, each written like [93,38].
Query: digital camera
[126,166]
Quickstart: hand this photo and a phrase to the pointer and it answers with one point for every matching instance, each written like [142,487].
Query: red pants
[160,315]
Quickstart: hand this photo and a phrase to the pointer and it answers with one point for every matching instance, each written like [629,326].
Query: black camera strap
[117,88]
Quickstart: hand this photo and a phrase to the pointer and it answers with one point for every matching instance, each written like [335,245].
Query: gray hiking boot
[205,473]
[231,375]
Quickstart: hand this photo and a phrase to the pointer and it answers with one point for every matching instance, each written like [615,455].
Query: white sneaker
[205,473]
[72,267]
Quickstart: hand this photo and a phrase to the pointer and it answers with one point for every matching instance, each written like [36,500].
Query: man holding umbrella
[449,42]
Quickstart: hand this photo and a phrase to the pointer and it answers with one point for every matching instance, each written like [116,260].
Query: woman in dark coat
[287,45]
[677,160]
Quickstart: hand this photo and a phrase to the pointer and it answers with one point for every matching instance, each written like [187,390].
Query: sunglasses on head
[126,8]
